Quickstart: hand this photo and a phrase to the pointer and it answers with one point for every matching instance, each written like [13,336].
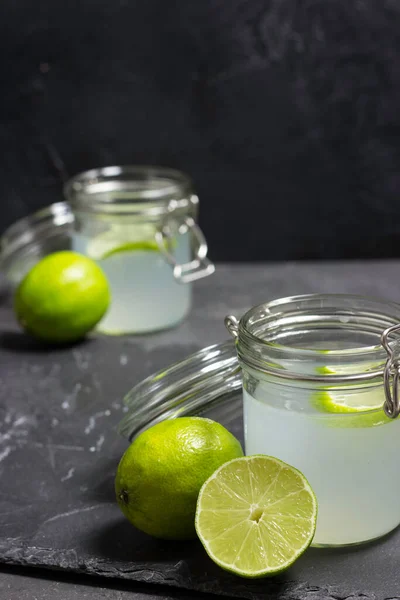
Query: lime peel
[256,515]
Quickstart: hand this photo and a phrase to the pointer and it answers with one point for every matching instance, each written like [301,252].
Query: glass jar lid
[31,238]
[330,339]
[188,387]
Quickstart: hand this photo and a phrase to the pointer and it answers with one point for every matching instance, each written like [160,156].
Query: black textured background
[285,112]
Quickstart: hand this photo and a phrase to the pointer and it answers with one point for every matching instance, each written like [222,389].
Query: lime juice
[343,443]
[145,294]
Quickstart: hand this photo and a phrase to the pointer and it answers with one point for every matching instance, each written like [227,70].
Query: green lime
[256,515]
[355,409]
[62,297]
[161,473]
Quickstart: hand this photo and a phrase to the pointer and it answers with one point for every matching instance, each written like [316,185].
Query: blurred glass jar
[139,224]
[29,239]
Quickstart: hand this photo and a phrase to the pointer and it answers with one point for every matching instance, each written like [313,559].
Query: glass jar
[139,224]
[312,369]
[30,239]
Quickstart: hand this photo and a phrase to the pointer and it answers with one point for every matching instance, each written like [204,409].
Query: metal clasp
[391,373]
[200,266]
[232,325]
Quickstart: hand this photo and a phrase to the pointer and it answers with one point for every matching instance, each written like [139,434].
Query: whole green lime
[161,473]
[62,297]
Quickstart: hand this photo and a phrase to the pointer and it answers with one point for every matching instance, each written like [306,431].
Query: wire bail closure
[200,266]
[232,325]
[391,374]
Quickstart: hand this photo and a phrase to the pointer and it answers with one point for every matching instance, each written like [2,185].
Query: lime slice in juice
[345,369]
[353,408]
[123,238]
[256,515]
[144,246]
[336,401]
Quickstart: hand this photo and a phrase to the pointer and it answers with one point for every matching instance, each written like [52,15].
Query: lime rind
[256,516]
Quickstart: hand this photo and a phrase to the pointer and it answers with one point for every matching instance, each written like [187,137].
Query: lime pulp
[256,515]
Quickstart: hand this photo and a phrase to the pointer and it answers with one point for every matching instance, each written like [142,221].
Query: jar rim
[262,329]
[131,189]
[244,321]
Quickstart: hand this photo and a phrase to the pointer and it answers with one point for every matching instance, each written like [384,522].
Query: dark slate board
[59,451]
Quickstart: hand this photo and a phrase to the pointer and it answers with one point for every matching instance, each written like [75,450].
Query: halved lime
[256,515]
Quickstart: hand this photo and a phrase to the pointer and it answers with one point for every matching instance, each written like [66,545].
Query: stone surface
[59,451]
[22,584]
